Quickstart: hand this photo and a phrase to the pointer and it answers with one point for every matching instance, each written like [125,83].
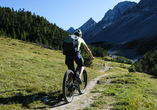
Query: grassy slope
[27,70]
[126,91]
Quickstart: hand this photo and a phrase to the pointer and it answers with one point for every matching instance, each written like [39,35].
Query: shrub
[119,59]
[96,51]
[132,69]
[122,60]
[88,63]
[148,63]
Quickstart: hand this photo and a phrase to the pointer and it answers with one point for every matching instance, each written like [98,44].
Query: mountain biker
[69,60]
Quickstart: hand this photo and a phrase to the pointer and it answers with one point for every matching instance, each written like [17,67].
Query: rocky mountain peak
[71,30]
[116,13]
[150,4]
[87,25]
[133,34]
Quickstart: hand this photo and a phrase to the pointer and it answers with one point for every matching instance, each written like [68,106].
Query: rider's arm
[88,51]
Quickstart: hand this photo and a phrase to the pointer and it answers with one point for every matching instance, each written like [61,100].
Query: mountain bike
[70,84]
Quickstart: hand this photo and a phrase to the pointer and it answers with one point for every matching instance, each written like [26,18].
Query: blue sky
[65,13]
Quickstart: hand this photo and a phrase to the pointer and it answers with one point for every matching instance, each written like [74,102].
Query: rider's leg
[81,70]
[70,63]
[79,61]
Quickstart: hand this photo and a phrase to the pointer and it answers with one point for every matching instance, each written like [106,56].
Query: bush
[132,69]
[88,63]
[148,63]
[119,59]
[122,60]
[96,51]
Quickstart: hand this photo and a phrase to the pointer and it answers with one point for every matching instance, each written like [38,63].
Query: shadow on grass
[154,77]
[48,100]
[55,101]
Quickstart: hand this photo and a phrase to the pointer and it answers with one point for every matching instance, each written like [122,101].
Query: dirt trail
[84,100]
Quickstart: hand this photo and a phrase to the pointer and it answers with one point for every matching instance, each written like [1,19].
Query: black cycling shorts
[70,61]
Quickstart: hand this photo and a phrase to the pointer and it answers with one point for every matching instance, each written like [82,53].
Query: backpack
[70,45]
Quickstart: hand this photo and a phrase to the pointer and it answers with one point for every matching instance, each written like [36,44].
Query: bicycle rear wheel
[83,86]
[68,90]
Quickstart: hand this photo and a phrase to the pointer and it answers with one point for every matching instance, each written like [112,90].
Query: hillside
[29,71]
[121,90]
[24,25]
[87,25]
[31,78]
[110,17]
[129,35]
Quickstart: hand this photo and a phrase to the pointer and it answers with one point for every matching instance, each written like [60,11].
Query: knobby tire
[68,92]
[83,86]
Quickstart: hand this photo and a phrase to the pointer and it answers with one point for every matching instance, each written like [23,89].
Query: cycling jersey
[81,41]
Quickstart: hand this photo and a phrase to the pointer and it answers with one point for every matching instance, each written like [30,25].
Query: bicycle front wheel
[68,90]
[83,86]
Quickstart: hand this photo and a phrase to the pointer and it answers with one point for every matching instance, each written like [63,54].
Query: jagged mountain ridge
[128,34]
[110,17]
[116,13]
[137,24]
[86,26]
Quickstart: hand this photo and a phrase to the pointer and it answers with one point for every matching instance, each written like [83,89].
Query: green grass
[27,70]
[124,90]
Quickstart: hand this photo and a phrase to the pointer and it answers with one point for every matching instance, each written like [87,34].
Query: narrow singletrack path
[84,100]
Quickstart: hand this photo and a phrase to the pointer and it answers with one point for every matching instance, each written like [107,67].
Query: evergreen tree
[26,26]
[13,33]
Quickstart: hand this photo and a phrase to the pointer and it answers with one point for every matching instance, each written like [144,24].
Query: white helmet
[78,32]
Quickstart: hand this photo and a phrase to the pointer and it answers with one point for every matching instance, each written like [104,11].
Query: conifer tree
[24,25]
[13,33]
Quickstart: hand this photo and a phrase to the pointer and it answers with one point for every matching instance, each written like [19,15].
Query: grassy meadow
[122,90]
[31,76]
